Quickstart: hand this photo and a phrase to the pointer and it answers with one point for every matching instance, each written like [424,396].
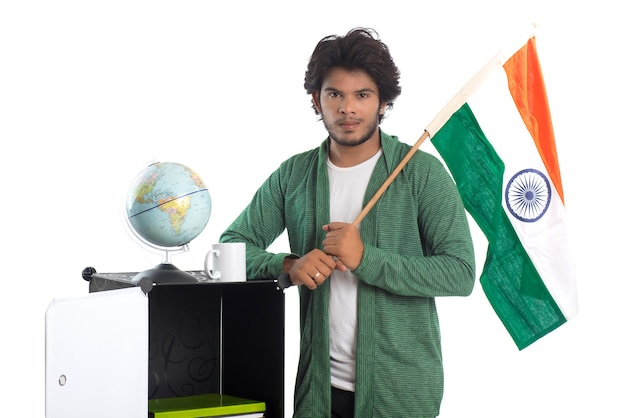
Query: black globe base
[166,273]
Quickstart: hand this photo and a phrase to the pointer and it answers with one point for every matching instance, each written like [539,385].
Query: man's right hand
[310,270]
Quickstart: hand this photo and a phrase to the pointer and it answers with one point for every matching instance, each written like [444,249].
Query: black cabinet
[212,337]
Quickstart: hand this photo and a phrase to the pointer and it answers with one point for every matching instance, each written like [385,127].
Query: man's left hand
[343,241]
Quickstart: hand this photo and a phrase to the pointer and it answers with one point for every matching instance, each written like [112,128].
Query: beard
[335,135]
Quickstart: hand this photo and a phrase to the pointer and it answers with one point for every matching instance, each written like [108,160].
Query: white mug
[226,262]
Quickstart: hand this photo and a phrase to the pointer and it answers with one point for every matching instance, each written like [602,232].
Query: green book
[208,405]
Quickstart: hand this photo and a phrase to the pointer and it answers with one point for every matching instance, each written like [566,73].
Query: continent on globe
[168,205]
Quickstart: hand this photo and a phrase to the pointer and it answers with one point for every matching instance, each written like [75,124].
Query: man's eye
[364,95]
[333,94]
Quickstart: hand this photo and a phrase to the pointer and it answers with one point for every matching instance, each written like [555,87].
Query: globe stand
[166,272]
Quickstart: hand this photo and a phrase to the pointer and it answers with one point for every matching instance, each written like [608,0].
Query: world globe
[167,206]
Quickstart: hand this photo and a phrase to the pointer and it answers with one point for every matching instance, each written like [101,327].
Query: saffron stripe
[527,88]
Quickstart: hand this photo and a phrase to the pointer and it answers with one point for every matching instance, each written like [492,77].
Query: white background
[93,91]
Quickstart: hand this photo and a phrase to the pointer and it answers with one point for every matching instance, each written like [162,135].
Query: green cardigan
[417,246]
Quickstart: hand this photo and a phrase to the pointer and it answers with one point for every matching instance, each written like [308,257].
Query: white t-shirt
[347,191]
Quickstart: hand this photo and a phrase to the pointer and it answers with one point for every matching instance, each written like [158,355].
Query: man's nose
[347,105]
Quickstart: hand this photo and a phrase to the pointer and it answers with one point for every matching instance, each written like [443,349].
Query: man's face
[349,105]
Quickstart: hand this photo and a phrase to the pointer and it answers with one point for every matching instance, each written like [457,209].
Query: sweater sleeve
[422,244]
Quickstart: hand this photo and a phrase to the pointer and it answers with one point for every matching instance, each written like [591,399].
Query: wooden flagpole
[390,179]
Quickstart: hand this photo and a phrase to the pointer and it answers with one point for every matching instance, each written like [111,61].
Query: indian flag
[496,138]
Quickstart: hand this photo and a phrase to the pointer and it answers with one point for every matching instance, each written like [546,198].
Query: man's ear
[316,101]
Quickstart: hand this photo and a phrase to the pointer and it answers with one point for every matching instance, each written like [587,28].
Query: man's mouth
[349,125]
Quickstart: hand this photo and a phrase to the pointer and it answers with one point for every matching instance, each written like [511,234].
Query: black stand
[166,273]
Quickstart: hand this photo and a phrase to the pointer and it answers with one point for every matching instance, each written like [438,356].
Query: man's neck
[349,156]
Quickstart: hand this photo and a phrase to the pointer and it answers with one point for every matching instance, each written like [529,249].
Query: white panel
[97,355]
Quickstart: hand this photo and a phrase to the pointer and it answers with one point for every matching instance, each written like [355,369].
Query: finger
[333,226]
[312,283]
[340,266]
[327,264]
[308,279]
[327,268]
[318,278]
[328,247]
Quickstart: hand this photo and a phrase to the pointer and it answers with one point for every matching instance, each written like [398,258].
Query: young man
[370,340]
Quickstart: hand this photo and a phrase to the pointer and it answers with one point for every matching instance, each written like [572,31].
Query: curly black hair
[360,49]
